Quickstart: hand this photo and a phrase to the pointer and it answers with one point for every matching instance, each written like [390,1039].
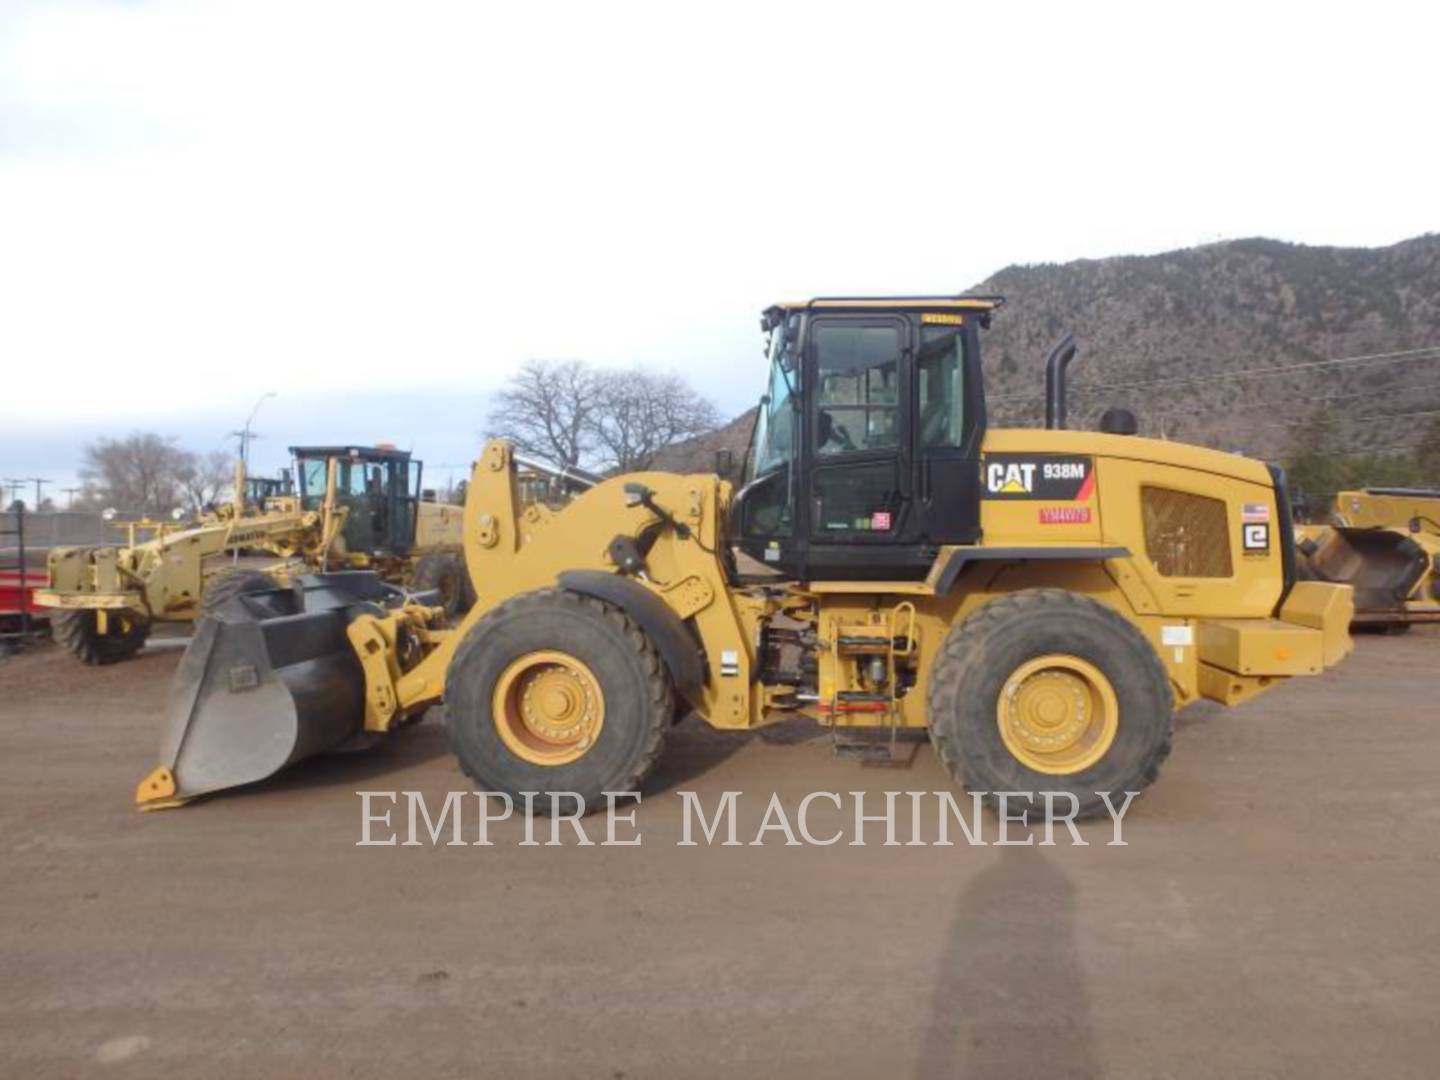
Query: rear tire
[78,631]
[561,632]
[228,584]
[446,573]
[1043,631]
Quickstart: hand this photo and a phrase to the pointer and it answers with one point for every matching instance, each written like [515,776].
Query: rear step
[269,679]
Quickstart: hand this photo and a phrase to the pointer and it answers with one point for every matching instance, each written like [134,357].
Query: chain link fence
[58,528]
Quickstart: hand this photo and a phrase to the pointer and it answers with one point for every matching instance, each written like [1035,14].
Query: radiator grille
[1186,535]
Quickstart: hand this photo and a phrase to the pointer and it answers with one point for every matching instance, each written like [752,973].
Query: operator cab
[866,451]
[260,491]
[378,485]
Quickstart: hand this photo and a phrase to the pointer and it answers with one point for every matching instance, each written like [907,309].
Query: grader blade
[268,680]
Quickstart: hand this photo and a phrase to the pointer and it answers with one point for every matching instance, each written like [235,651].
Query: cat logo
[1052,477]
[1014,478]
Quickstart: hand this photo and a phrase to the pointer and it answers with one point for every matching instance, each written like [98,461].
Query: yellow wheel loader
[1385,542]
[1039,601]
[356,507]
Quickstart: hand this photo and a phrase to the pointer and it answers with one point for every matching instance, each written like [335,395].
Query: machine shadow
[999,1011]
[404,749]
[692,748]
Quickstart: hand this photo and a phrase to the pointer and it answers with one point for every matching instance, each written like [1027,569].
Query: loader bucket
[1382,565]
[268,680]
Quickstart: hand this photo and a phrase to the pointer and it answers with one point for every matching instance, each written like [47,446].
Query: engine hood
[1130,447]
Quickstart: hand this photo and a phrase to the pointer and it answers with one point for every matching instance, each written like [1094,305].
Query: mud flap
[268,680]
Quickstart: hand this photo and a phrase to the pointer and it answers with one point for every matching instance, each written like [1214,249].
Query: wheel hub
[1057,714]
[548,708]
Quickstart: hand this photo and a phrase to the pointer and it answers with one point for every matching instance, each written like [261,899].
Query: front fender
[677,645]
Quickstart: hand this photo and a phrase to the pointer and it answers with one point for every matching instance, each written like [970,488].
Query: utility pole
[71,492]
[15,485]
[245,434]
[37,481]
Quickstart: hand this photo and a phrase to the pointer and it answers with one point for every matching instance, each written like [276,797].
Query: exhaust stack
[1060,357]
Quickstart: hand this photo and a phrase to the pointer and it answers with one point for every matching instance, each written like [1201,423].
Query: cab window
[312,481]
[938,371]
[858,391]
[775,429]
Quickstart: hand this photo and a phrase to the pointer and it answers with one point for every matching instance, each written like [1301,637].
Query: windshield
[312,482]
[774,440]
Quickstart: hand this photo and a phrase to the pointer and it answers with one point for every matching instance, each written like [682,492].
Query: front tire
[557,692]
[1047,690]
[79,632]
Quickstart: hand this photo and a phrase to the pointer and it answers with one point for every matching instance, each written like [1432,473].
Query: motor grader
[1039,601]
[1385,542]
[355,507]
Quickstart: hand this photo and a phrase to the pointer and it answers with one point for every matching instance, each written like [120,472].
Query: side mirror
[724,463]
[788,357]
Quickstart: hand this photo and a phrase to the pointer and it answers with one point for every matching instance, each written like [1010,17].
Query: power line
[1397,448]
[1270,403]
[1349,419]
[1405,356]
[1274,403]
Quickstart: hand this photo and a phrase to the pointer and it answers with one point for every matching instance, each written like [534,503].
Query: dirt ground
[1272,915]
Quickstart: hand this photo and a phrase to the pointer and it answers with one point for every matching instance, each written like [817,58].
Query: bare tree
[547,409]
[574,414]
[641,412]
[204,478]
[139,473]
[147,473]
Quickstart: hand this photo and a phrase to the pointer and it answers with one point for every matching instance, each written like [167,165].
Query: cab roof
[983,305]
[365,453]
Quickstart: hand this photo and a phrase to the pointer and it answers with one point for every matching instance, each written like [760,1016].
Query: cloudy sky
[377,210]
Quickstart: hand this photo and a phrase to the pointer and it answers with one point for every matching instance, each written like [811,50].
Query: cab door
[947,432]
[404,505]
[858,497]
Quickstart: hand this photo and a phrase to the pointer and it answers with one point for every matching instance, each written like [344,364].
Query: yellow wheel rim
[1058,714]
[548,708]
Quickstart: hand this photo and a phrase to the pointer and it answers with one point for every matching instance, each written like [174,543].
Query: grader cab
[356,508]
[1039,601]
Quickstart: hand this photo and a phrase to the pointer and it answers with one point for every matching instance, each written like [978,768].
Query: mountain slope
[1208,323]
